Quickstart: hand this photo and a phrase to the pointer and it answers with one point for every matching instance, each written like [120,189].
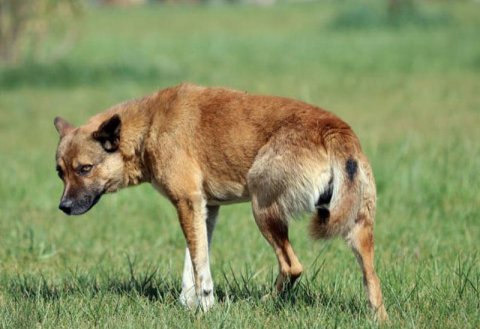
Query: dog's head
[88,162]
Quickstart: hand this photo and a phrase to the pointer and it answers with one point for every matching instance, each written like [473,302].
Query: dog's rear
[322,171]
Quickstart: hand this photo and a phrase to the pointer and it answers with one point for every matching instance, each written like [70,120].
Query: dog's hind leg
[188,279]
[285,179]
[275,230]
[360,238]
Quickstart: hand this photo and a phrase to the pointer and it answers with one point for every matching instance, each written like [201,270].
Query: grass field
[410,91]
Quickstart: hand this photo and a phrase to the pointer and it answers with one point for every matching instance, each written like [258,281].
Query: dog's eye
[59,172]
[84,169]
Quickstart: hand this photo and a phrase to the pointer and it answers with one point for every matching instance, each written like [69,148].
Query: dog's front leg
[188,279]
[192,213]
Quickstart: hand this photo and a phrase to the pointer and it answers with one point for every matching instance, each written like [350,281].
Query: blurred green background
[404,74]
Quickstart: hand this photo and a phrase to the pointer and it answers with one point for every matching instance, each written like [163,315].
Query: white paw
[188,297]
[207,300]
[192,301]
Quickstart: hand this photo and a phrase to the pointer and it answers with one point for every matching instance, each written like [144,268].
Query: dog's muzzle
[78,206]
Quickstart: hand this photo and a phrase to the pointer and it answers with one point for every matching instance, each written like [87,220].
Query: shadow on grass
[145,284]
[166,289]
[68,74]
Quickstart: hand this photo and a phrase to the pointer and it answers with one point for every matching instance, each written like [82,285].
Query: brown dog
[206,147]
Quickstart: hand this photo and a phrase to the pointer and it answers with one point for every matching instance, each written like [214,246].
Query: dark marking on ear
[108,134]
[351,167]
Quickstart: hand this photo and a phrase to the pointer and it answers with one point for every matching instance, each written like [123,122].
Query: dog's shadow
[158,287]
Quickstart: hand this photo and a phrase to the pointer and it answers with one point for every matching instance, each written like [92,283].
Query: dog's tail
[341,200]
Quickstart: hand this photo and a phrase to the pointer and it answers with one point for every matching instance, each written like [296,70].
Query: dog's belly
[221,193]
[216,202]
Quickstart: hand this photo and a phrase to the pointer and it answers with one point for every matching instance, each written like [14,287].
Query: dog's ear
[63,127]
[108,134]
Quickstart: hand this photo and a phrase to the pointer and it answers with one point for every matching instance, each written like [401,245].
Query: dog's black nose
[66,206]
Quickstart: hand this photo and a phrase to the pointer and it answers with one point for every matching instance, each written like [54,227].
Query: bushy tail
[344,202]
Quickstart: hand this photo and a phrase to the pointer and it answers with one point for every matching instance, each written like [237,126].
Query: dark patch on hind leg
[323,203]
[351,167]
[323,215]
[326,197]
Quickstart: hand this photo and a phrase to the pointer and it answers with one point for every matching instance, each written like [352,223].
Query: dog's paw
[381,315]
[188,298]
[206,300]
[191,300]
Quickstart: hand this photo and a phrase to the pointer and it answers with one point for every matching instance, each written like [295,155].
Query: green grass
[411,94]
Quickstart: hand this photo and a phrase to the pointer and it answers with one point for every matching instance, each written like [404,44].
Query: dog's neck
[135,128]
[137,117]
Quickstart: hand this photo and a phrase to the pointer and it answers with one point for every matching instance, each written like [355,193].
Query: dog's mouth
[79,207]
[94,202]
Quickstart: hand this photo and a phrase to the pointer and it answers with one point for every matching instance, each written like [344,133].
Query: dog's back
[274,146]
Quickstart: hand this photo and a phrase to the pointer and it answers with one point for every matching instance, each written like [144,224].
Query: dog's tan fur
[205,147]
